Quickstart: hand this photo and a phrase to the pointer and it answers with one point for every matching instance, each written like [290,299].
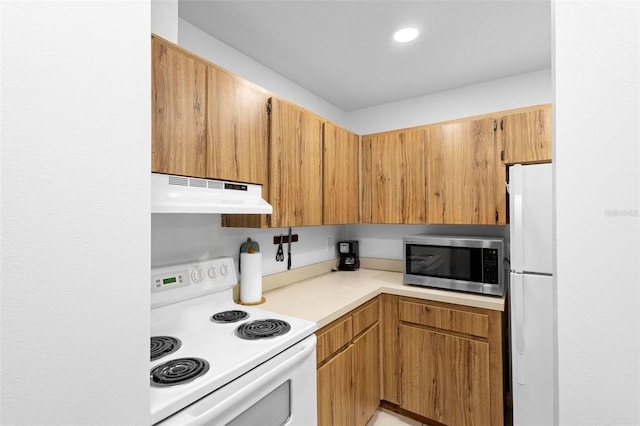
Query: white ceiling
[343,51]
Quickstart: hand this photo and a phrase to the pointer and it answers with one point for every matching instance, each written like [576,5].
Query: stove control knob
[224,269]
[197,275]
[212,272]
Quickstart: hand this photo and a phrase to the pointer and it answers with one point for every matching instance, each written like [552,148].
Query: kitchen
[71,249]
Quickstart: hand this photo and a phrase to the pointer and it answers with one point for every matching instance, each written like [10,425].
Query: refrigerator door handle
[518,305]
[517,237]
[516,186]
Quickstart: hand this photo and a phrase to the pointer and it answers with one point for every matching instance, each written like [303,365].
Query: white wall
[385,241]
[164,19]
[179,238]
[75,212]
[497,95]
[597,187]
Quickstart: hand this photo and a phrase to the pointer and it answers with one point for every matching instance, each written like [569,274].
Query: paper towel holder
[249,246]
[259,302]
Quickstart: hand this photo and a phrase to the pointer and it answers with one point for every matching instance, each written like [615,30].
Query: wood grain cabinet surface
[340,175]
[295,184]
[178,114]
[207,122]
[335,390]
[394,177]
[444,361]
[366,375]
[445,377]
[466,178]
[348,376]
[436,362]
[237,129]
[526,135]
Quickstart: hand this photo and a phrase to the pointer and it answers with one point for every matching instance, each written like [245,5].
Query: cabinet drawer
[334,337]
[475,324]
[365,317]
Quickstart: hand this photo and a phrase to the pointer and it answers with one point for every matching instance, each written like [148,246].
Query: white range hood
[180,194]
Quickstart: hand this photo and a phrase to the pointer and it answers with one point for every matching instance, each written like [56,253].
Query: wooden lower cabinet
[444,377]
[335,392]
[443,362]
[437,362]
[348,376]
[366,375]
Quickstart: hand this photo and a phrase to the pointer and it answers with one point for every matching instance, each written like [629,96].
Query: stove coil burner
[178,371]
[229,316]
[163,345]
[260,329]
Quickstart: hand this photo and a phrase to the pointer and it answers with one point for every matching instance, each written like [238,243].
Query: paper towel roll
[251,277]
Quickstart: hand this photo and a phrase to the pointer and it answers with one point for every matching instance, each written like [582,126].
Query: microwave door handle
[518,304]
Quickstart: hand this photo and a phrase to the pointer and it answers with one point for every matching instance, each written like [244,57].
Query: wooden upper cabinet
[394,177]
[526,136]
[295,172]
[466,177]
[237,135]
[178,111]
[340,175]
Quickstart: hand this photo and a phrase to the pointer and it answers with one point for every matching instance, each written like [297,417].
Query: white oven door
[281,391]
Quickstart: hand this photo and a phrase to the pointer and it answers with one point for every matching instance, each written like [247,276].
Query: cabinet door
[335,395]
[366,375]
[178,137]
[526,136]
[237,135]
[397,177]
[466,177]
[445,377]
[295,184]
[390,362]
[340,180]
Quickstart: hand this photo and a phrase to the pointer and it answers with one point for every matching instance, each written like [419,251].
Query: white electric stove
[216,362]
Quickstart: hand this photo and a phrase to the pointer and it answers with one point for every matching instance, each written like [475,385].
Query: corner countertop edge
[325,298]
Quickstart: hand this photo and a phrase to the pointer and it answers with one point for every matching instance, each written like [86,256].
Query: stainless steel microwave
[469,264]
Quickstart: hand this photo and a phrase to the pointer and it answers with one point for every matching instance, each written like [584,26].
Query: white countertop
[327,297]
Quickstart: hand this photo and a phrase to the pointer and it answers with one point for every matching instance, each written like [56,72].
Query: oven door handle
[213,409]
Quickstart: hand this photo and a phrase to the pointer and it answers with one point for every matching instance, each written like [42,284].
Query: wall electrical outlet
[330,243]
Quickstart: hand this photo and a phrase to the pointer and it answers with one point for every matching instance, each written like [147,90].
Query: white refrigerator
[531,294]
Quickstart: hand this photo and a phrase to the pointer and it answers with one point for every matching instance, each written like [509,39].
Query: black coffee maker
[348,256]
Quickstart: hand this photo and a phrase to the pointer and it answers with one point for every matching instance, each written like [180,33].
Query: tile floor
[383,417]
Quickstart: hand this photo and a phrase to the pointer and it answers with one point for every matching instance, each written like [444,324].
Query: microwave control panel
[490,272]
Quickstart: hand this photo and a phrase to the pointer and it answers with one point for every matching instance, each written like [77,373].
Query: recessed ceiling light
[405,34]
